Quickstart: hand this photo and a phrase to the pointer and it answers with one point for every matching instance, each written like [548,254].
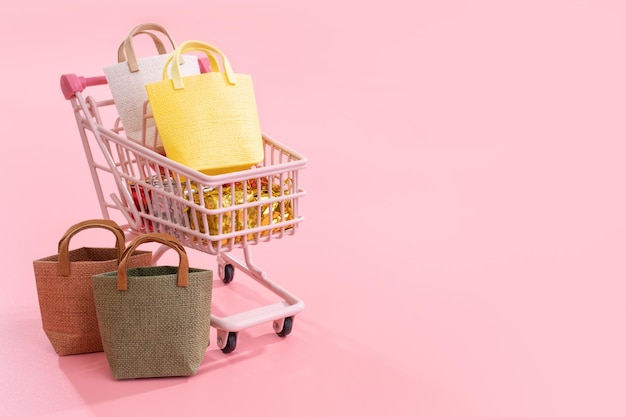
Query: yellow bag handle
[209,50]
[213,64]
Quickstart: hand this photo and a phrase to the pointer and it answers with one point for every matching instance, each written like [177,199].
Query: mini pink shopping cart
[216,215]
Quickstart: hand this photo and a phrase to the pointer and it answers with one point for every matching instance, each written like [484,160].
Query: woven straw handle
[128,44]
[165,239]
[210,50]
[121,56]
[64,243]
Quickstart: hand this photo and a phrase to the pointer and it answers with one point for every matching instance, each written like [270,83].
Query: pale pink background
[463,249]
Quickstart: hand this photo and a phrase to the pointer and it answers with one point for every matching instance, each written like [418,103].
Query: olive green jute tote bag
[64,288]
[154,321]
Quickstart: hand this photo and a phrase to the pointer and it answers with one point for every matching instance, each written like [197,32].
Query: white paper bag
[127,80]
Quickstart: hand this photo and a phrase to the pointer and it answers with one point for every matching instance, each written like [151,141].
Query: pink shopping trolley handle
[203,63]
[72,83]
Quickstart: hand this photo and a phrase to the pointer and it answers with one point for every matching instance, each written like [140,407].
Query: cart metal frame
[153,193]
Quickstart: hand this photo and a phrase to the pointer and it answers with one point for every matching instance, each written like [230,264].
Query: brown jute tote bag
[154,321]
[64,288]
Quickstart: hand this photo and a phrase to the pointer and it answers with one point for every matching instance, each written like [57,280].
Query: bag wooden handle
[128,45]
[121,56]
[210,50]
[165,239]
[64,242]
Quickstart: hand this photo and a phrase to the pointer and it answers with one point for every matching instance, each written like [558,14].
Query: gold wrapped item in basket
[275,211]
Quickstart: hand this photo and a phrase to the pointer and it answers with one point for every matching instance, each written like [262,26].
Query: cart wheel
[231,343]
[229,273]
[287,327]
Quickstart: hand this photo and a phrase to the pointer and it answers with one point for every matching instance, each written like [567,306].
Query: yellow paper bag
[208,122]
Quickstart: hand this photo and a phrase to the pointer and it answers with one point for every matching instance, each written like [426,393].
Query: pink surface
[463,248]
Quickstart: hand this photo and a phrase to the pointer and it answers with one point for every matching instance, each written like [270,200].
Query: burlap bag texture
[154,328]
[66,301]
